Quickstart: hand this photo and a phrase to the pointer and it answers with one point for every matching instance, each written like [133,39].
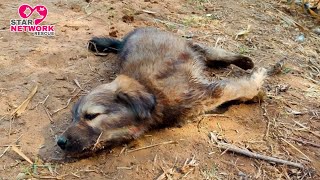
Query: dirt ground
[285,125]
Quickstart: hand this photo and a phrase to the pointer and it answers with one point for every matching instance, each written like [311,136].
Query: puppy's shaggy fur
[161,81]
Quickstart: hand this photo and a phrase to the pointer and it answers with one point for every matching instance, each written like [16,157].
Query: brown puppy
[161,81]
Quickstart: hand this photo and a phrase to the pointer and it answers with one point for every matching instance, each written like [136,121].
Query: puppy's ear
[136,97]
[142,104]
[75,111]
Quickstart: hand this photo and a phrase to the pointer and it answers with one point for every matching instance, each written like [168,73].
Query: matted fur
[161,81]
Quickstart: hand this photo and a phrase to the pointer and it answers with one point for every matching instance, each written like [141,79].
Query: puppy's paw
[255,83]
[259,97]
[259,76]
[243,62]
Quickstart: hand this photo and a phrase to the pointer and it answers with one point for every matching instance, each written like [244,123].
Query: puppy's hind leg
[243,89]
[102,46]
[217,57]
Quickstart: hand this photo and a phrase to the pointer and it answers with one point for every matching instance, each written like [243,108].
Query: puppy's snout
[62,142]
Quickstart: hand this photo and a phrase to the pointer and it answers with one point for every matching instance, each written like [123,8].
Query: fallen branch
[233,148]
[153,145]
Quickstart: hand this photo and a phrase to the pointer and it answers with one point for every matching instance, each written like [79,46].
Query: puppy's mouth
[108,140]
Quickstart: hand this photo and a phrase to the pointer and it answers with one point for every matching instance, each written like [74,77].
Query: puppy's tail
[103,46]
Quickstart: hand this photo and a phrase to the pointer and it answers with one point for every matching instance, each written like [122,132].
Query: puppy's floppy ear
[135,96]
[142,104]
[75,110]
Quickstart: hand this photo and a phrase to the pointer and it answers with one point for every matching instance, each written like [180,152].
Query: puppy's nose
[62,142]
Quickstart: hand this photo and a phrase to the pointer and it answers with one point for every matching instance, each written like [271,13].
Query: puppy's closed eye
[91,116]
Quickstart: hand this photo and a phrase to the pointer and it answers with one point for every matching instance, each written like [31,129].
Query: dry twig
[41,102]
[233,148]
[306,129]
[306,142]
[10,125]
[48,113]
[5,151]
[287,19]
[3,117]
[77,83]
[20,109]
[265,115]
[18,151]
[125,168]
[51,177]
[54,112]
[97,141]
[295,148]
[153,145]
[188,166]
[9,146]
[148,12]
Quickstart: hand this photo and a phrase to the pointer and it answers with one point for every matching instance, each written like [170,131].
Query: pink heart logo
[41,10]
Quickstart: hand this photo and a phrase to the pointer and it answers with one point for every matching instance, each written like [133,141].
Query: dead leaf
[243,32]
[20,109]
[314,14]
[290,21]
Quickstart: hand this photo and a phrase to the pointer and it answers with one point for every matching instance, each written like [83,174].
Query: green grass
[244,49]
[210,173]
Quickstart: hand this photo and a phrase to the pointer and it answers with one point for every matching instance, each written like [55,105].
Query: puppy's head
[110,114]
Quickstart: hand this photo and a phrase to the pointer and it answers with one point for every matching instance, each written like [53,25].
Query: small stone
[300,38]
[21,176]
[317,30]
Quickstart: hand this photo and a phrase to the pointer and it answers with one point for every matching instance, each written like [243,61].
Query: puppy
[161,82]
